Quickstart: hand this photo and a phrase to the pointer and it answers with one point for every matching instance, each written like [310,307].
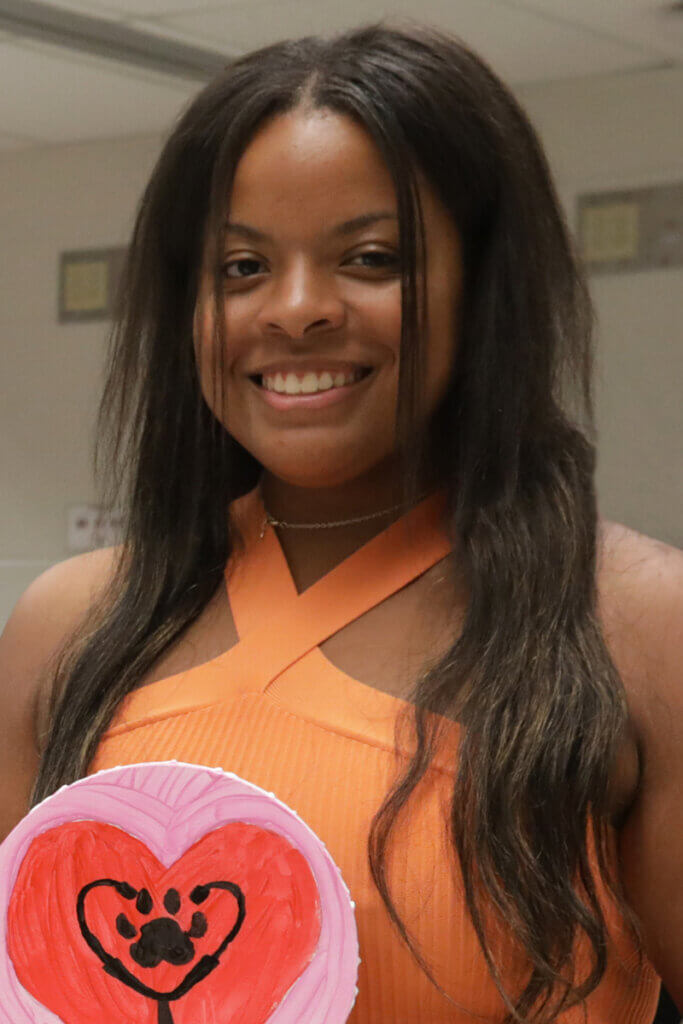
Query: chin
[308,472]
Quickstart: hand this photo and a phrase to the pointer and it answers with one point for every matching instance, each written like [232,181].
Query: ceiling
[54,94]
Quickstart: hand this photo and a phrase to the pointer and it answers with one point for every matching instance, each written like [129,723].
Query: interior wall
[600,133]
[52,199]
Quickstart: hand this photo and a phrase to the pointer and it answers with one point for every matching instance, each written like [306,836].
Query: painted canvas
[168,893]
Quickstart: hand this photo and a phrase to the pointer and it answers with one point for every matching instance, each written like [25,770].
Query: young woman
[348,403]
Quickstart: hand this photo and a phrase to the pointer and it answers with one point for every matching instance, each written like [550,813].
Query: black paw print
[163,938]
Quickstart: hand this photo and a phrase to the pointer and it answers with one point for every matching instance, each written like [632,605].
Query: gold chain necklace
[272,521]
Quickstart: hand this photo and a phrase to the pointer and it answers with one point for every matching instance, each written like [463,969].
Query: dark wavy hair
[528,676]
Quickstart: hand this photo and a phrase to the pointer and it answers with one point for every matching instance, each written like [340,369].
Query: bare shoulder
[641,599]
[632,558]
[43,618]
[640,589]
[640,594]
[52,606]
[76,580]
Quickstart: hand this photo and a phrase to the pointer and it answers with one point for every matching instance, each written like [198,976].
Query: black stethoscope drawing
[160,939]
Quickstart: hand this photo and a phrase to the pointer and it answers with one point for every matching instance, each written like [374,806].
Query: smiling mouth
[309,383]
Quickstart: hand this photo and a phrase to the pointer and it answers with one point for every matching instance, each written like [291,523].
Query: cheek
[376,324]
[386,317]
[207,342]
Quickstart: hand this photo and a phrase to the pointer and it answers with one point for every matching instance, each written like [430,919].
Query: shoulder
[640,603]
[631,564]
[641,600]
[640,595]
[54,603]
[46,613]
[43,618]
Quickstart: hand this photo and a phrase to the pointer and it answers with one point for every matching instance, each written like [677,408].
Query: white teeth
[310,383]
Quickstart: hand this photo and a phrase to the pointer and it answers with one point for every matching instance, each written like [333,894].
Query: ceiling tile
[94,8]
[166,29]
[650,24]
[523,45]
[57,96]
[137,8]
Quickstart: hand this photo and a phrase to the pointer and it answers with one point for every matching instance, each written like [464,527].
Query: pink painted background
[169,807]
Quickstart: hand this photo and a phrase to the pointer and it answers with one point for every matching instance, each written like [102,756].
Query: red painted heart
[99,930]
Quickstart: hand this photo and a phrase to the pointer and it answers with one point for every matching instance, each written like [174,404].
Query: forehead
[310,166]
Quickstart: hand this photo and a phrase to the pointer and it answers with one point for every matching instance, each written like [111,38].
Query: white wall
[600,133]
[52,199]
[608,133]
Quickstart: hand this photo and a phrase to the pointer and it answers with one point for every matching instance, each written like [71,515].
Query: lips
[306,403]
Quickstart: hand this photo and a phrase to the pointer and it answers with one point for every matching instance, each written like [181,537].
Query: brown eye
[237,270]
[374,259]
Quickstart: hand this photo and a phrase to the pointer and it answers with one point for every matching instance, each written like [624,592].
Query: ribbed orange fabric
[275,711]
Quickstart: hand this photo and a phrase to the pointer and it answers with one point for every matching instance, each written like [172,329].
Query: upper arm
[43,618]
[646,626]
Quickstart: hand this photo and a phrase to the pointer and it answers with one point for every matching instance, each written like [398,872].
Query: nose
[302,301]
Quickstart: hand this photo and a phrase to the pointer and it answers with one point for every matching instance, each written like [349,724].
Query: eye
[376,259]
[244,267]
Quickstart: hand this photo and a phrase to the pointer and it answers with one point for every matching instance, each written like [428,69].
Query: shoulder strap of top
[263,595]
[278,626]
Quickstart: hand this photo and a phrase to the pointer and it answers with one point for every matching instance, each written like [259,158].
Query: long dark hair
[529,676]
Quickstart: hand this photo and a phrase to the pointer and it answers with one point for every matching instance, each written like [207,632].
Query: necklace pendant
[268,521]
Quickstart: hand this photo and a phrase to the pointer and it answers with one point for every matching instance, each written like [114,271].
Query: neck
[377,491]
[312,553]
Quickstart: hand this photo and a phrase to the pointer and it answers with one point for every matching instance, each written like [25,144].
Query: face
[311,301]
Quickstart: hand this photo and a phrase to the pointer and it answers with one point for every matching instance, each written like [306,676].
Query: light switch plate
[89,527]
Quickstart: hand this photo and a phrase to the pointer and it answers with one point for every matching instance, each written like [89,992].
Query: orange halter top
[275,711]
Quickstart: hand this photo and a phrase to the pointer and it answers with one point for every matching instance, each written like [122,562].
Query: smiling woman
[311,310]
[363,566]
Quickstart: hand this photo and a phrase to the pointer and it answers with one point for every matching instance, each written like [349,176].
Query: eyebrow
[347,227]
